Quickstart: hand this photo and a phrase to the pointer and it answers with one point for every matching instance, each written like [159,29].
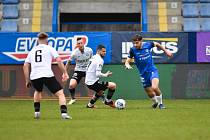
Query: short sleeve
[73,55]
[28,60]
[131,53]
[99,67]
[152,44]
[54,53]
[91,53]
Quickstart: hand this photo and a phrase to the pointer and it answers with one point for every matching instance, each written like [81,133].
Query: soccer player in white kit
[93,75]
[81,55]
[39,61]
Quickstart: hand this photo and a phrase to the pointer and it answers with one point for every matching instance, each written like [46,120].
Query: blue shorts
[146,78]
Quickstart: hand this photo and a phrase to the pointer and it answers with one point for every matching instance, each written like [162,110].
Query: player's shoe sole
[161,106]
[65,116]
[36,115]
[72,101]
[111,104]
[93,106]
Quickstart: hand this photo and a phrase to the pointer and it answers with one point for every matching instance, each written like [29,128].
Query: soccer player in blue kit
[141,52]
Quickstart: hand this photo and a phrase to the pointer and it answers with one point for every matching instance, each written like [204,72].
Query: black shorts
[78,75]
[50,82]
[98,86]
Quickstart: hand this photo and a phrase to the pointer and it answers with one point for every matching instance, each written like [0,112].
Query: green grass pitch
[182,120]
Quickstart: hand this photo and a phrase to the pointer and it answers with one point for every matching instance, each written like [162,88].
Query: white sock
[108,100]
[154,99]
[159,99]
[90,105]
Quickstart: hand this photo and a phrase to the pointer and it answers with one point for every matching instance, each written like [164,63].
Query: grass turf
[182,120]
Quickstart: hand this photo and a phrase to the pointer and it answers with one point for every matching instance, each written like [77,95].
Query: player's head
[137,40]
[80,44]
[101,50]
[42,38]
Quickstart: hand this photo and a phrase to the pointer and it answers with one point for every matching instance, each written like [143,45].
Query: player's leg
[95,97]
[99,88]
[37,99]
[72,87]
[38,86]
[155,87]
[76,77]
[150,92]
[111,89]
[54,86]
[62,103]
[146,82]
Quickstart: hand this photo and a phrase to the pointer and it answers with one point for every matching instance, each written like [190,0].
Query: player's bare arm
[67,66]
[168,53]
[26,70]
[100,74]
[127,63]
[65,75]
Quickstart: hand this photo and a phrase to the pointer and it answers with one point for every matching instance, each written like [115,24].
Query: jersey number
[38,56]
[89,64]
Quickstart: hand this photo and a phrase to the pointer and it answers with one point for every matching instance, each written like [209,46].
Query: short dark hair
[100,47]
[137,37]
[42,35]
[79,38]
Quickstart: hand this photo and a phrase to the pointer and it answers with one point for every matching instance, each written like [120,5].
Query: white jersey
[40,58]
[81,59]
[95,66]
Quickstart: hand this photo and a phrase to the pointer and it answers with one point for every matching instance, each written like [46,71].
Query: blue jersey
[143,58]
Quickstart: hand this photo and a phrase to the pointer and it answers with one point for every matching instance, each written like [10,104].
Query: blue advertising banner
[176,43]
[14,47]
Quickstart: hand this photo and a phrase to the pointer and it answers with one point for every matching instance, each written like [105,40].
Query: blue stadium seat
[205,9]
[10,1]
[190,10]
[190,1]
[10,11]
[204,0]
[205,24]
[9,26]
[191,24]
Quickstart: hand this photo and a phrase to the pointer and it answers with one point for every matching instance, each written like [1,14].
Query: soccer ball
[120,103]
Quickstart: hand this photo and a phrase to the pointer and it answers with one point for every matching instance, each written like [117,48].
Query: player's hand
[108,73]
[169,54]
[28,83]
[65,77]
[127,66]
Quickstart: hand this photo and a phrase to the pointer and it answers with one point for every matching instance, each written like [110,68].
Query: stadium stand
[10,1]
[191,24]
[190,10]
[205,9]
[165,14]
[188,1]
[9,26]
[35,16]
[98,7]
[196,15]
[205,24]
[204,0]
[10,15]
[10,12]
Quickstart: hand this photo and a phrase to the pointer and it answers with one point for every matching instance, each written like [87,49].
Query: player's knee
[112,85]
[72,85]
[155,88]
